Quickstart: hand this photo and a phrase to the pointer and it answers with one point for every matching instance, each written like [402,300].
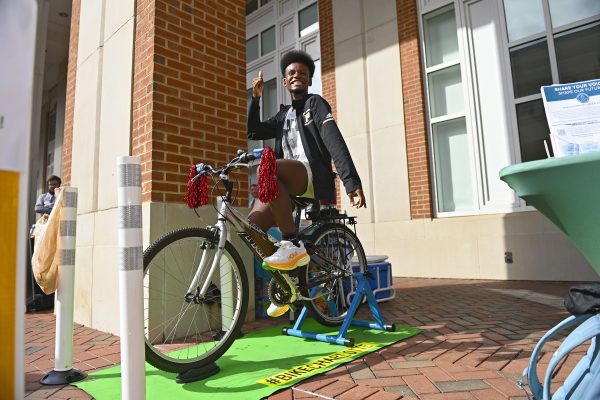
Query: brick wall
[414,110]
[327,53]
[328,63]
[143,93]
[70,98]
[189,90]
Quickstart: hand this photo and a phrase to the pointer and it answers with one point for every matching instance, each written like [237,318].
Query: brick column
[327,53]
[189,90]
[419,178]
[70,97]
[328,64]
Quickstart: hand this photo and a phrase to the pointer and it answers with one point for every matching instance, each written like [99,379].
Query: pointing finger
[260,75]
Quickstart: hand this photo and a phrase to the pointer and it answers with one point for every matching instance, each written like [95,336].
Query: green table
[567,191]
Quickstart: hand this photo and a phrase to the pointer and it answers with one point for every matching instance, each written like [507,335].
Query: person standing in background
[45,203]
[37,299]
[253,195]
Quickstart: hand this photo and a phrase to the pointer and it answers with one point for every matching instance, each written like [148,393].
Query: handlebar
[241,160]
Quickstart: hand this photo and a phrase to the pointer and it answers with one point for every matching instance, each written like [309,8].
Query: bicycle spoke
[331,271]
[182,326]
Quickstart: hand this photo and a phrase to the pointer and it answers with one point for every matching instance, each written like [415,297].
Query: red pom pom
[197,191]
[267,176]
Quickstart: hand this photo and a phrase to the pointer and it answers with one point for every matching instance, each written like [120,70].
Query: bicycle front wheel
[336,255]
[185,329]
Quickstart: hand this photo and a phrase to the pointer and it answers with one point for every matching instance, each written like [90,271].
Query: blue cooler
[380,282]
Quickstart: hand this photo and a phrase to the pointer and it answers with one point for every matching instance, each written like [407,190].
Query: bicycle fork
[208,292]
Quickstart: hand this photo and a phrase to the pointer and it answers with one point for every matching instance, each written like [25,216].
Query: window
[447,125]
[317,82]
[51,142]
[523,18]
[559,46]
[252,49]
[576,59]
[308,20]
[253,5]
[484,63]
[269,99]
[564,12]
[531,121]
[267,44]
[267,41]
[530,65]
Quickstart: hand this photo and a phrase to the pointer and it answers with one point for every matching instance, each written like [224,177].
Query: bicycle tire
[331,307]
[164,294]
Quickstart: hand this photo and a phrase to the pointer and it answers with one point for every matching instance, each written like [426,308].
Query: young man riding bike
[307,139]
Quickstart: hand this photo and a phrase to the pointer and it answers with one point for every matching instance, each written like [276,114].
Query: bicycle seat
[305,202]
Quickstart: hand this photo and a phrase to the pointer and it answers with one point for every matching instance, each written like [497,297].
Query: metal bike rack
[341,338]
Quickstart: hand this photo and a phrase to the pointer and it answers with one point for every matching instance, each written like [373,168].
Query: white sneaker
[288,256]
[277,311]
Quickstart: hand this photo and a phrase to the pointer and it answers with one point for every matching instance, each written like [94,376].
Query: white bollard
[64,372]
[131,275]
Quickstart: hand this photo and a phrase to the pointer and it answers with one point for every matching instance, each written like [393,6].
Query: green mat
[257,365]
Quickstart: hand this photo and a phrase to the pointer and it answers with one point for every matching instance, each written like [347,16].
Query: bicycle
[196,286]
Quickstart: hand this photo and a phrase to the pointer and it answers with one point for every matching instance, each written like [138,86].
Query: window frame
[299,32]
[257,37]
[438,7]
[274,28]
[259,5]
[468,76]
[548,35]
[259,40]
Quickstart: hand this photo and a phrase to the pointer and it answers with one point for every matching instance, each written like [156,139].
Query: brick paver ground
[477,338]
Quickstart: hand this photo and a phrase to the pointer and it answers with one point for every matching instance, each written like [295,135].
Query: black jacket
[321,139]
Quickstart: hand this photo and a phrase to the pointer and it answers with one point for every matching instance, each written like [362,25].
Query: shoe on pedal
[288,256]
[277,311]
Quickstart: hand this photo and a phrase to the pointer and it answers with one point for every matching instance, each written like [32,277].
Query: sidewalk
[477,338]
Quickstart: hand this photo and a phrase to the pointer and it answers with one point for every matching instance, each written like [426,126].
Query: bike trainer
[341,339]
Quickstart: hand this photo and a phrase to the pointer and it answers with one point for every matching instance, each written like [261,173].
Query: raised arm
[257,129]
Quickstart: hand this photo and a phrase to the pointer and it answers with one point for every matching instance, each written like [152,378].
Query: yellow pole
[9,209]
[18,20]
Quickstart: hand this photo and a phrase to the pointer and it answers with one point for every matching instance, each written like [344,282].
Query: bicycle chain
[278,295]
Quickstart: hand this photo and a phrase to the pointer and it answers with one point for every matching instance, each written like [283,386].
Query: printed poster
[573,113]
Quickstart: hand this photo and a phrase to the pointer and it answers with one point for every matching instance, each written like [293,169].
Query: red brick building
[433,97]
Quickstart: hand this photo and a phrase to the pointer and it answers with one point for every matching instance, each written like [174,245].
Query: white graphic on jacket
[291,141]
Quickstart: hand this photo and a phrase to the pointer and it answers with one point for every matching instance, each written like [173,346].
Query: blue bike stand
[341,339]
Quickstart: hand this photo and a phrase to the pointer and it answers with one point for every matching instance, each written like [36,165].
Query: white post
[65,292]
[131,275]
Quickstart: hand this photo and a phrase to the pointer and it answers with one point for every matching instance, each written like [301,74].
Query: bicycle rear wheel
[184,330]
[329,283]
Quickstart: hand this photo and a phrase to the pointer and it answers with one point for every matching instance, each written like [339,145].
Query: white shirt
[291,141]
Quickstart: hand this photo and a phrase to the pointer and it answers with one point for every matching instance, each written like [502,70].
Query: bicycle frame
[254,237]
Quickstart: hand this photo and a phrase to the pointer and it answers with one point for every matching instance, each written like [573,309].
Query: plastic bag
[44,262]
[583,298]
